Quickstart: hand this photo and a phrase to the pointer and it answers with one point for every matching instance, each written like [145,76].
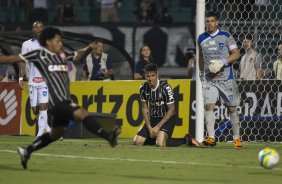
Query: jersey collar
[158,83]
[48,51]
[215,33]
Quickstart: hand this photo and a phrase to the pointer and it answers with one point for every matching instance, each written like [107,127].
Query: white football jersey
[34,76]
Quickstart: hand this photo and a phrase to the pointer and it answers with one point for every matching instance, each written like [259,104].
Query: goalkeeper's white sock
[210,121]
[234,118]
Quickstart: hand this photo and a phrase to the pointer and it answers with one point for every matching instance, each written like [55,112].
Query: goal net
[261,100]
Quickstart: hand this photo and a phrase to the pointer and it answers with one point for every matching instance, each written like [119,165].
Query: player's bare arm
[234,55]
[82,53]
[10,59]
[168,115]
[21,74]
[146,115]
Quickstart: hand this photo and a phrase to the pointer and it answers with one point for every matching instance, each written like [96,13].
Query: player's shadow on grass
[267,173]
[173,179]
[11,167]
[153,178]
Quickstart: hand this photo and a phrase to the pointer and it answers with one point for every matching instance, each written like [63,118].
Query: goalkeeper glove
[216,65]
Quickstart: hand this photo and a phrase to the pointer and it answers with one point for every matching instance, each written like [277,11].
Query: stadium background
[260,109]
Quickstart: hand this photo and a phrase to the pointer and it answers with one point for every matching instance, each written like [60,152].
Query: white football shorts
[38,95]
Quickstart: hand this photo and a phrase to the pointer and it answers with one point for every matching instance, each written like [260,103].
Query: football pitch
[83,161]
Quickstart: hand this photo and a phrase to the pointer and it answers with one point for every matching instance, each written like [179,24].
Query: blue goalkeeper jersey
[217,46]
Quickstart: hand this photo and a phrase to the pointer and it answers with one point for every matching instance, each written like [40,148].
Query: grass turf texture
[93,161]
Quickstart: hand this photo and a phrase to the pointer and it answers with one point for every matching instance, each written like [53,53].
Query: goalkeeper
[218,50]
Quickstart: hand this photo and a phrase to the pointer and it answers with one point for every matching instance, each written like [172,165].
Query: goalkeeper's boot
[209,141]
[237,143]
[24,156]
[114,135]
[190,141]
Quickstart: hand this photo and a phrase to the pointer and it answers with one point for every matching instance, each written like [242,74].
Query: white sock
[42,122]
[234,118]
[210,121]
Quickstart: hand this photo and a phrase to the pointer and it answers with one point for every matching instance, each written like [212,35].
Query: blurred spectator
[191,64]
[146,12]
[3,70]
[145,57]
[277,65]
[260,9]
[2,28]
[18,28]
[251,62]
[165,16]
[109,10]
[39,11]
[98,65]
[67,12]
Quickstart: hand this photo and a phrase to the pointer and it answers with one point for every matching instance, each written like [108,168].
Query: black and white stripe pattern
[157,98]
[54,70]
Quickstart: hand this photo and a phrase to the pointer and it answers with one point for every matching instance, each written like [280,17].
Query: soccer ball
[268,158]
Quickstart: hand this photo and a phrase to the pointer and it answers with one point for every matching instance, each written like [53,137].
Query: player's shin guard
[234,118]
[39,143]
[210,121]
[93,126]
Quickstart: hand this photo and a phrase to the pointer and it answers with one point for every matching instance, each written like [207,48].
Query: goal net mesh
[261,100]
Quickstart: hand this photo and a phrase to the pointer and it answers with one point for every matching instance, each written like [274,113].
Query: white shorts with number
[38,94]
[226,90]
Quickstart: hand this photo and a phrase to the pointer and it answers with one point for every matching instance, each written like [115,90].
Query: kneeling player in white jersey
[38,89]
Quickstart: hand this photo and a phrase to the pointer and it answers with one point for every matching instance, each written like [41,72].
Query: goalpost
[260,109]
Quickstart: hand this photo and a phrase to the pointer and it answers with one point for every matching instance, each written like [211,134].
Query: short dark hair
[151,67]
[212,14]
[249,36]
[48,34]
[98,40]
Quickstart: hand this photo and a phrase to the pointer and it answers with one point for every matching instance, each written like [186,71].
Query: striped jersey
[53,68]
[33,74]
[158,98]
[217,46]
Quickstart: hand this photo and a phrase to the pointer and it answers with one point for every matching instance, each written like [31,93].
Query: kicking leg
[39,143]
[93,126]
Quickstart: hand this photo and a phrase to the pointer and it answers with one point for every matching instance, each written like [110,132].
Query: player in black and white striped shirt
[158,109]
[53,68]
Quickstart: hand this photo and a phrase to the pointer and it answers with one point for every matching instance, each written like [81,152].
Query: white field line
[138,160]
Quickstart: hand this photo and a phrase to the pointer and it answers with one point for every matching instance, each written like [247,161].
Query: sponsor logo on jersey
[38,79]
[212,42]
[212,48]
[170,94]
[58,68]
[157,104]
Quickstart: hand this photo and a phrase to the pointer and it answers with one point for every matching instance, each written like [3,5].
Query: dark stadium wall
[168,43]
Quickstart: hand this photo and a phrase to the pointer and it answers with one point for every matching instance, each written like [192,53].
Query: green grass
[84,161]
